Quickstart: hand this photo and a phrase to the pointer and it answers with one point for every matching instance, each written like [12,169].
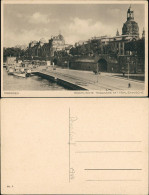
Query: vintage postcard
[74,48]
[75,146]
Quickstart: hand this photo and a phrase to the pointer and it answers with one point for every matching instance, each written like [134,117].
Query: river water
[35,83]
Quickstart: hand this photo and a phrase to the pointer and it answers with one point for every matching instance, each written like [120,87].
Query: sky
[76,22]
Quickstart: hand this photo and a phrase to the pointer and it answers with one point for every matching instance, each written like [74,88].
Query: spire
[130,14]
[117,33]
[130,7]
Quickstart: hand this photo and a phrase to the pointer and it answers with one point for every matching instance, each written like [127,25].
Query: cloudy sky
[23,23]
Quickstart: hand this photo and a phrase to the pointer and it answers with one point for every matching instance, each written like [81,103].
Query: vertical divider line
[69,144]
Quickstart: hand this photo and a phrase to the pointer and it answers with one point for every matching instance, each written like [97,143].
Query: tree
[137,47]
[13,52]
[73,51]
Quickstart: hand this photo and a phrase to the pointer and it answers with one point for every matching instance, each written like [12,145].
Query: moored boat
[19,74]
[28,72]
[10,71]
[4,65]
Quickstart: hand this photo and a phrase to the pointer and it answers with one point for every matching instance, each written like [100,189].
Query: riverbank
[87,80]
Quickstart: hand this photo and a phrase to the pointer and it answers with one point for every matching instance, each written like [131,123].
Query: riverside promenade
[87,80]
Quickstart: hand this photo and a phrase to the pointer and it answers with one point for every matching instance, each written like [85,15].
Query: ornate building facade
[113,54]
[56,43]
[43,49]
[110,53]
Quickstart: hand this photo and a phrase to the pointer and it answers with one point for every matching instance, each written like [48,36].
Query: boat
[19,74]
[10,71]
[4,65]
[28,72]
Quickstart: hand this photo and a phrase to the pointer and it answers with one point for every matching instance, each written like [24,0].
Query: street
[102,81]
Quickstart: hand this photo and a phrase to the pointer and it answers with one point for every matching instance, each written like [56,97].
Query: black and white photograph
[81,48]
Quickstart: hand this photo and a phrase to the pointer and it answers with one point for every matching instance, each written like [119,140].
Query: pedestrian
[129,85]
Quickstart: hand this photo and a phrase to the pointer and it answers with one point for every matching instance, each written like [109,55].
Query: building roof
[130,27]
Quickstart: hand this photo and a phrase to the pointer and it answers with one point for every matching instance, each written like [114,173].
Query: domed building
[56,43]
[58,40]
[60,37]
[130,27]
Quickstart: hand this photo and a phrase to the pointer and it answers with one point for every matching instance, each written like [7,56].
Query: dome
[60,37]
[130,27]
